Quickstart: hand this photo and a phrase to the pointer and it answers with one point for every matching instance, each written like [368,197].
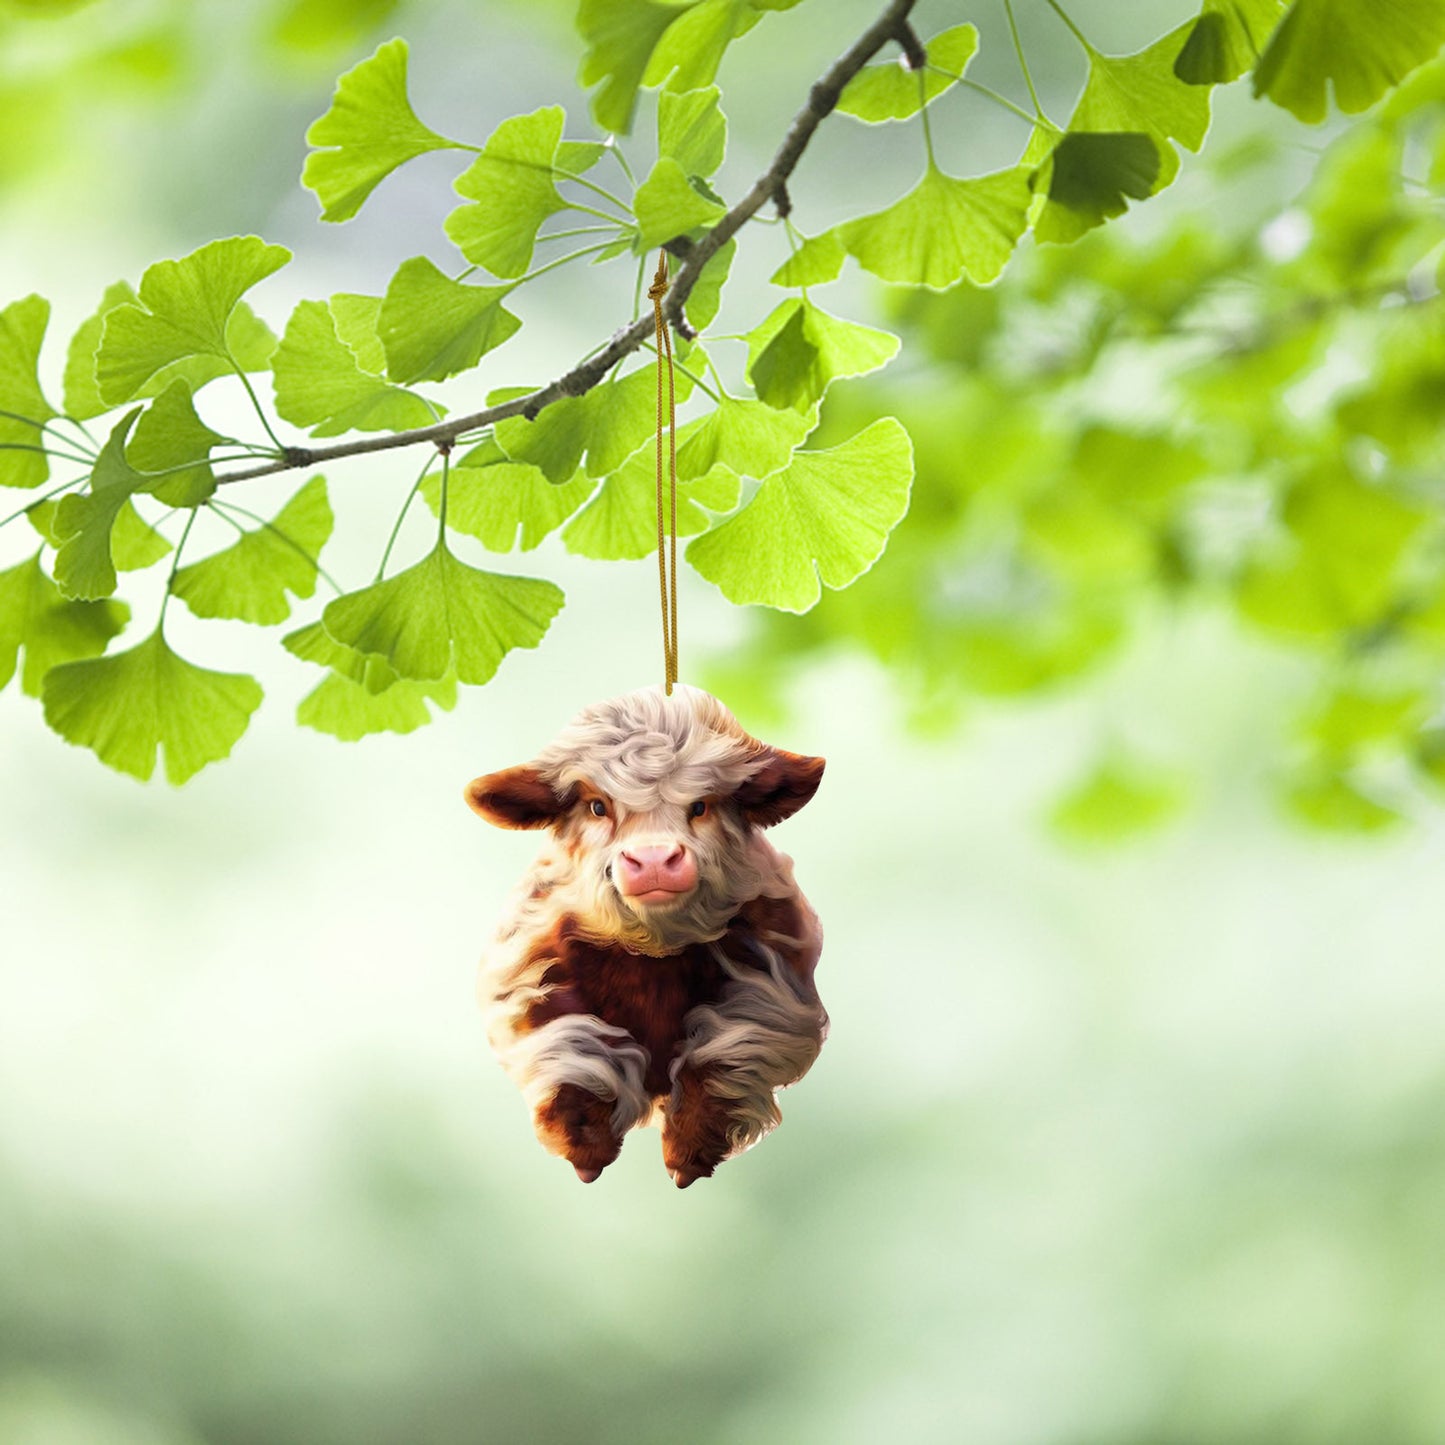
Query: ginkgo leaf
[692,130]
[891,91]
[345,710]
[621,520]
[84,566]
[249,580]
[554,441]
[1089,179]
[36,617]
[126,706]
[748,437]
[185,307]
[668,205]
[357,321]
[369,131]
[506,504]
[134,543]
[1227,39]
[691,48]
[622,416]
[944,230]
[620,36]
[442,616]
[433,327]
[1362,50]
[705,298]
[320,383]
[577,157]
[168,435]
[1138,101]
[797,351]
[817,261]
[313,643]
[823,519]
[511,187]
[82,396]
[22,330]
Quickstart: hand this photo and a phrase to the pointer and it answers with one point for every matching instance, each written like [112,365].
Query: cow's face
[656,802]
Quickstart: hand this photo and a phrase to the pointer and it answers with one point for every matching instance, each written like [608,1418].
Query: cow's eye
[698,809]
[599,808]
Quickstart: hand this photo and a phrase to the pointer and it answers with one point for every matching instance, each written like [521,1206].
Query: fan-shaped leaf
[22,330]
[369,131]
[825,518]
[433,327]
[442,617]
[127,706]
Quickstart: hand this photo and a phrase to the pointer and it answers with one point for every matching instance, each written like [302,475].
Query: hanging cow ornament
[656,964]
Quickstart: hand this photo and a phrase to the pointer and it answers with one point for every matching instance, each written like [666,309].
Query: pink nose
[666,868]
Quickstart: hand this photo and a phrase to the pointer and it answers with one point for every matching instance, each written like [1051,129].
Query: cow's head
[656,801]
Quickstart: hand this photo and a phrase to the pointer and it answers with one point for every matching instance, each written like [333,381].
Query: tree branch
[891,26]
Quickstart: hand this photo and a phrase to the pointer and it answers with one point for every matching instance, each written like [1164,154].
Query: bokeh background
[1125,1143]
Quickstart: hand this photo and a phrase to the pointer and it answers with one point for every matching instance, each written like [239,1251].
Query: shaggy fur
[609,1012]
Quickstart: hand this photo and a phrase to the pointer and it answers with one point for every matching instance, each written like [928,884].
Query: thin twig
[822,98]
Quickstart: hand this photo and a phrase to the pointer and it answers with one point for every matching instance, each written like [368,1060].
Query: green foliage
[510,185]
[1361,50]
[168,435]
[631,43]
[35,616]
[1227,40]
[23,407]
[321,383]
[432,327]
[506,504]
[84,565]
[890,91]
[442,618]
[185,310]
[823,519]
[249,580]
[669,204]
[1096,435]
[620,521]
[944,229]
[800,350]
[369,131]
[127,706]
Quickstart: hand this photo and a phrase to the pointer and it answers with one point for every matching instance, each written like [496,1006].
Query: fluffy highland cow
[656,964]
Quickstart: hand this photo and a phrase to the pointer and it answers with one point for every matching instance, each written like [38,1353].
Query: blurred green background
[1116,1144]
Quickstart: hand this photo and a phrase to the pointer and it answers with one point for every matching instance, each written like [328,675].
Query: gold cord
[666,561]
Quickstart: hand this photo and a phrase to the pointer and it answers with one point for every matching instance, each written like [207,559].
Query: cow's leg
[583,1079]
[762,1034]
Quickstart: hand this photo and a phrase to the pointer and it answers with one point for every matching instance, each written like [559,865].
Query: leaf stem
[48,426]
[401,516]
[255,401]
[1013,26]
[46,452]
[175,567]
[1065,17]
[923,116]
[36,501]
[613,230]
[562,261]
[1002,100]
[592,186]
[222,509]
[613,149]
[691,375]
[585,210]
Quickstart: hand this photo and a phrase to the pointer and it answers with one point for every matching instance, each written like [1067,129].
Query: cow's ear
[516,798]
[780,787]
